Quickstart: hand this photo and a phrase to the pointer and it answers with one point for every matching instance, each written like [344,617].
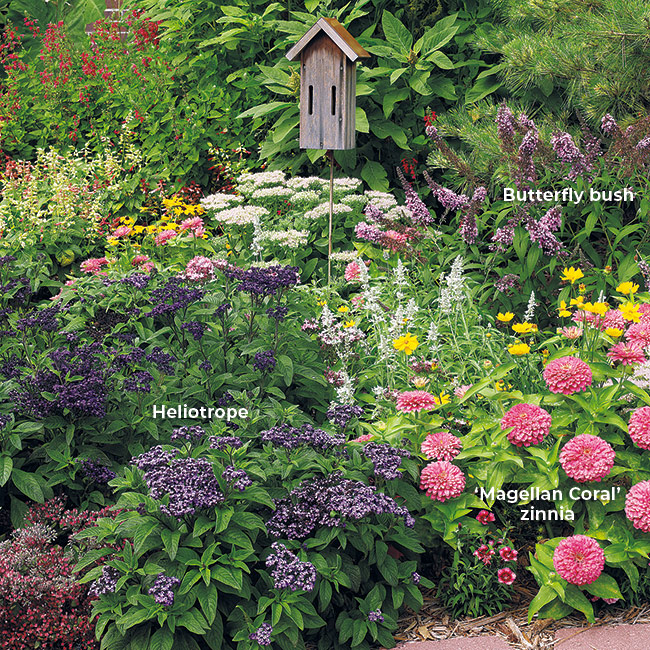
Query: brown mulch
[432,622]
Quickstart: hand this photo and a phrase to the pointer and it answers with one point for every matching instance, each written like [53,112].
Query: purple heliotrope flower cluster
[173,297]
[106,583]
[264,281]
[223,442]
[40,319]
[288,571]
[284,435]
[189,483]
[329,501]
[97,471]
[162,589]
[191,434]
[385,459]
[264,361]
[376,616]
[262,634]
[138,382]
[162,360]
[238,478]
[341,414]
[195,328]
[279,313]
[137,280]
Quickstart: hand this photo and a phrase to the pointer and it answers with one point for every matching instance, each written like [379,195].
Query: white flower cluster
[305,196]
[530,309]
[241,215]
[454,293]
[381,200]
[220,201]
[274,191]
[344,256]
[324,208]
[290,238]
[398,212]
[305,183]
[347,184]
[355,200]
[260,179]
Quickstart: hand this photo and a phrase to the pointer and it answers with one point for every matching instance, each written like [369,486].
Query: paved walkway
[610,637]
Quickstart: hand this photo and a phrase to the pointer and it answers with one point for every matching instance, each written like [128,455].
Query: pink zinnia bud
[441,446]
[587,458]
[579,560]
[442,480]
[530,423]
[639,427]
[567,375]
[637,506]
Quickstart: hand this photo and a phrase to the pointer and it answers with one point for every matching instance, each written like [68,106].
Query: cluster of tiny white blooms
[455,281]
[241,215]
[381,200]
[378,392]
[260,179]
[220,201]
[305,196]
[444,299]
[273,192]
[324,208]
[347,184]
[530,309]
[396,322]
[386,254]
[398,212]
[308,182]
[385,348]
[432,337]
[355,200]
[399,275]
[258,238]
[641,376]
[411,310]
[345,392]
[290,238]
[344,256]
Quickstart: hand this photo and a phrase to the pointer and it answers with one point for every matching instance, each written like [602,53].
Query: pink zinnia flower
[637,506]
[364,438]
[93,265]
[415,400]
[639,427]
[139,259]
[461,390]
[442,480]
[567,375]
[587,458]
[199,268]
[352,271]
[508,554]
[122,231]
[614,318]
[441,446]
[627,354]
[485,517]
[639,334]
[194,225]
[571,332]
[148,267]
[163,237]
[579,560]
[484,553]
[506,576]
[531,424]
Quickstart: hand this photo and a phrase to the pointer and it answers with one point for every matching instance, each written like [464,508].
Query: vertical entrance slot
[333,100]
[310,101]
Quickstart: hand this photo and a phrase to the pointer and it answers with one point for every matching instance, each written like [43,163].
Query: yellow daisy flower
[627,288]
[630,312]
[571,275]
[344,309]
[524,328]
[519,349]
[407,343]
[349,323]
[505,318]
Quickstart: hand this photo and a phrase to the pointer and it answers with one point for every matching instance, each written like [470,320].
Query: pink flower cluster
[441,446]
[639,334]
[587,458]
[200,269]
[165,236]
[567,375]
[530,423]
[415,400]
[485,517]
[94,265]
[637,506]
[639,427]
[627,354]
[579,560]
[352,271]
[195,226]
[122,231]
[442,480]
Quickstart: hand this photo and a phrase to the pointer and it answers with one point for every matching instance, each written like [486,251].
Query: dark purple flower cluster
[195,328]
[264,361]
[173,297]
[415,576]
[205,365]
[265,281]
[137,280]
[225,399]
[106,583]
[223,442]
[4,421]
[238,478]
[162,589]
[130,358]
[376,616]
[97,472]
[191,434]
[189,483]
[40,319]
[288,571]
[222,309]
[20,290]
[139,382]
[262,634]
[329,501]
[10,366]
[162,360]
[279,313]
[385,459]
[341,414]
[284,435]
